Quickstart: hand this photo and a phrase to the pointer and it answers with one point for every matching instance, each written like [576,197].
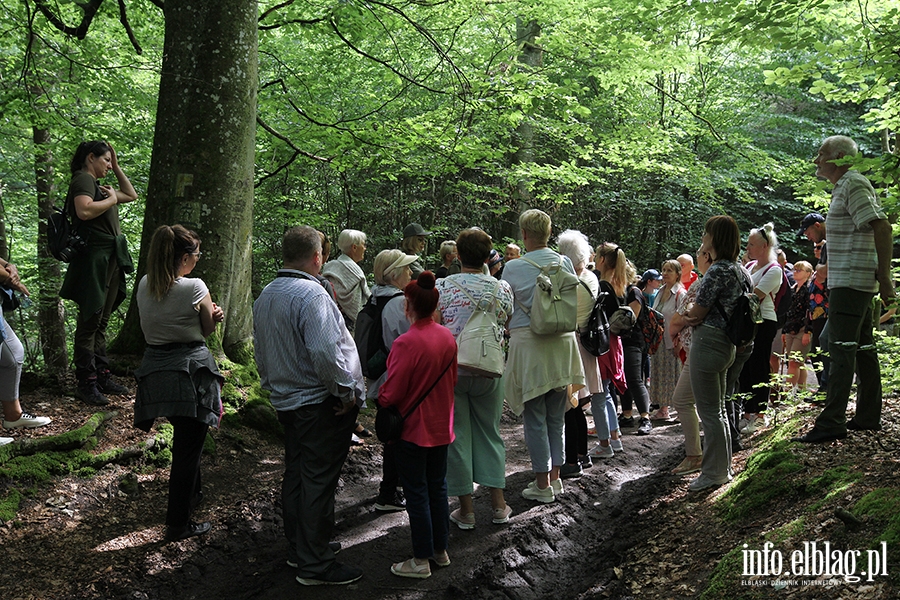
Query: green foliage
[882,508]
[769,474]
[9,505]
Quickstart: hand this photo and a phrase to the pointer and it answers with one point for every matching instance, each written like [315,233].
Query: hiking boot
[108,385]
[26,420]
[89,394]
[390,502]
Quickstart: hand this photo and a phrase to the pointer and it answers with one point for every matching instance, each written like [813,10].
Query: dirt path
[86,538]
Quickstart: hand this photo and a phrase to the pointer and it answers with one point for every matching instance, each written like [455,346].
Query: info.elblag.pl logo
[814,560]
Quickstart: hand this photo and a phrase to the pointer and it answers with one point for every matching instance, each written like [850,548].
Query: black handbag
[389,421]
[10,299]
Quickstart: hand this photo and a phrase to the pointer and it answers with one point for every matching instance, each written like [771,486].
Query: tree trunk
[523,136]
[51,314]
[202,170]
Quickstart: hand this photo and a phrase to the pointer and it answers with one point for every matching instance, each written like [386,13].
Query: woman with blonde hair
[797,330]
[178,378]
[665,366]
[539,366]
[762,244]
[621,274]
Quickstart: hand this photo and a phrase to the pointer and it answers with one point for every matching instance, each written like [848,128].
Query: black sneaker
[89,394]
[645,427]
[391,502]
[626,421]
[108,385]
[292,562]
[337,574]
[174,534]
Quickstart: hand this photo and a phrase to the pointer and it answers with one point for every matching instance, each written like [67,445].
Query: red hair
[421,296]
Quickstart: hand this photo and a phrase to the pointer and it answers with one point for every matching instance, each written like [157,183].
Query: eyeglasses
[197,254]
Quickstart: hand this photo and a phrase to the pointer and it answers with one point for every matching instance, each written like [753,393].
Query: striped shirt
[852,259]
[303,349]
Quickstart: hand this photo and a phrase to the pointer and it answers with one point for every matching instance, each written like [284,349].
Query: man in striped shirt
[308,362]
[860,245]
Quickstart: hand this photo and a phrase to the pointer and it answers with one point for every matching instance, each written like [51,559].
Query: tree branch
[89,10]
[123,19]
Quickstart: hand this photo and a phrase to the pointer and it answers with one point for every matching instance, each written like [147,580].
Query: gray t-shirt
[175,318]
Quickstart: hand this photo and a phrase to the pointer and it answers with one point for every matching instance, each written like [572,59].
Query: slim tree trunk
[523,137]
[51,314]
[202,170]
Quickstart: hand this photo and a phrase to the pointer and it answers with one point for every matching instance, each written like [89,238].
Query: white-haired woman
[344,273]
[762,244]
[448,254]
[666,365]
[539,366]
[575,245]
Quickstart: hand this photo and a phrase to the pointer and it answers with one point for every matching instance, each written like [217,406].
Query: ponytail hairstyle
[614,260]
[167,247]
[421,296]
[95,147]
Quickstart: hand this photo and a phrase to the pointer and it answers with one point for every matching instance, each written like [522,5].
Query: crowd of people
[313,321]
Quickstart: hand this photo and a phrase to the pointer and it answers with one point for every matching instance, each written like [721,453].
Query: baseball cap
[414,229]
[808,221]
[651,274]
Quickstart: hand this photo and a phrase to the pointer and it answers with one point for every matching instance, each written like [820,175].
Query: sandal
[441,559]
[660,416]
[410,568]
[690,464]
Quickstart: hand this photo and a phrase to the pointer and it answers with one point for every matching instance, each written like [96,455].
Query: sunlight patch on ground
[132,539]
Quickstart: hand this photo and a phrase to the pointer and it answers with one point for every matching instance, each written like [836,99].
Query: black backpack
[740,326]
[369,339]
[595,335]
[65,240]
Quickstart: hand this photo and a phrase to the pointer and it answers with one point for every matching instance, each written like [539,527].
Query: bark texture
[201,174]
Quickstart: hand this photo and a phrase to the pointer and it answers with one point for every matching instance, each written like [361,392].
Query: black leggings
[757,369]
[636,394]
[576,434]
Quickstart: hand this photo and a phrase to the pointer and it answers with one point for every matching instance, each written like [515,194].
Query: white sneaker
[599,451]
[533,492]
[617,445]
[26,420]
[556,486]
[4,441]
[753,423]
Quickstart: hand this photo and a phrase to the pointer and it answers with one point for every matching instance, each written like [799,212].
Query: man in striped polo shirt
[860,245]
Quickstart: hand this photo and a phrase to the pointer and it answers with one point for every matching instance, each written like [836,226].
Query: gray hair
[575,245]
[350,237]
[840,146]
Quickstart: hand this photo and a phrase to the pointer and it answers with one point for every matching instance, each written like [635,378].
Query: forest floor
[626,529]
